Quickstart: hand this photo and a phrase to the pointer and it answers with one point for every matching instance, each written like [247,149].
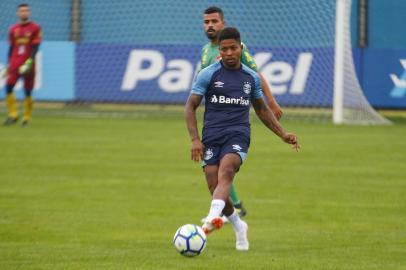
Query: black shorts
[215,149]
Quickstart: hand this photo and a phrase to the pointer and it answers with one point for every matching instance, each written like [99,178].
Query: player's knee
[228,171]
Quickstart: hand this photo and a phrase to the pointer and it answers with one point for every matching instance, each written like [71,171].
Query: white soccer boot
[242,243]
[215,224]
[225,219]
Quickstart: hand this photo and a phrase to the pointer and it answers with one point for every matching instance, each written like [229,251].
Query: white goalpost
[349,103]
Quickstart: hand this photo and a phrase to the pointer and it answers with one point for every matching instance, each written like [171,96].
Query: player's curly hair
[230,33]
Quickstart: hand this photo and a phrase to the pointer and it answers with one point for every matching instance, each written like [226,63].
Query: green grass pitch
[108,191]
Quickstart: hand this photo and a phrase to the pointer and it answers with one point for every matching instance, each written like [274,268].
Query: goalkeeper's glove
[24,68]
[3,72]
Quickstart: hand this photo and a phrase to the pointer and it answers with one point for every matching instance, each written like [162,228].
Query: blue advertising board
[54,79]
[126,73]
[384,77]
[165,73]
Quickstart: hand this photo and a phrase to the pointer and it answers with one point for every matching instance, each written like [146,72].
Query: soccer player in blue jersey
[229,88]
[213,23]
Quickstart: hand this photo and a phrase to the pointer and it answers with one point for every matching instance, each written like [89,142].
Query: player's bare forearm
[267,117]
[273,104]
[192,104]
[191,122]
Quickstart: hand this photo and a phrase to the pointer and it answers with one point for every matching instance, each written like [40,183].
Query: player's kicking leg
[211,172]
[220,187]
[213,220]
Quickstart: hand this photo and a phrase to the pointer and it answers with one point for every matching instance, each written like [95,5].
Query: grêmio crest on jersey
[247,88]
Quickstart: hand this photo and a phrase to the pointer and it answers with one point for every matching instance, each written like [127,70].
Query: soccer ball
[189,240]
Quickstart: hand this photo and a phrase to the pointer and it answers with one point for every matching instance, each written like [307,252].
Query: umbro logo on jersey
[218,84]
[237,147]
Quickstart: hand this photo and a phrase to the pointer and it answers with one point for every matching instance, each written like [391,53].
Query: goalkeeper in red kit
[24,38]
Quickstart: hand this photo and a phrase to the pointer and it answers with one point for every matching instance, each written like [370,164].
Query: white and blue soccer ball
[190,240]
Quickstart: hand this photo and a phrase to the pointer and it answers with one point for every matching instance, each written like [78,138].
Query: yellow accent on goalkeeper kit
[28,104]
[11,106]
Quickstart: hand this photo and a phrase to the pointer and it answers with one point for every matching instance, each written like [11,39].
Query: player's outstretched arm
[273,104]
[268,118]
[197,147]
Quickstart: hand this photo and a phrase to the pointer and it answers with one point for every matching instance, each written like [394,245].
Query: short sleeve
[257,93]
[202,82]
